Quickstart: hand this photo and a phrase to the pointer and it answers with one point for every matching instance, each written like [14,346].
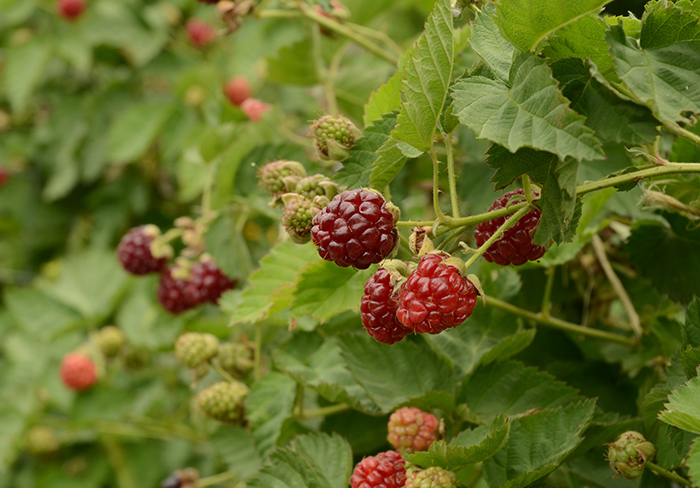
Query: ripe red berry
[208,282]
[435,297]
[515,245]
[378,308]
[237,90]
[70,9]
[175,294]
[78,371]
[385,470]
[254,108]
[411,429]
[134,251]
[200,33]
[355,229]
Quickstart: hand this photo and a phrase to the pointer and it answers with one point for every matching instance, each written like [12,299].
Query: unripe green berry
[236,358]
[279,176]
[41,441]
[434,477]
[195,348]
[316,186]
[298,216]
[629,453]
[334,136]
[223,401]
[110,340]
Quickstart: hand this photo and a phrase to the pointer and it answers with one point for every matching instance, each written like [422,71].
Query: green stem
[666,169]
[216,479]
[414,223]
[322,412]
[115,456]
[261,7]
[510,222]
[557,323]
[436,186]
[451,175]
[548,291]
[224,374]
[335,26]
[680,131]
[659,471]
[527,188]
[477,219]
[278,14]
[380,36]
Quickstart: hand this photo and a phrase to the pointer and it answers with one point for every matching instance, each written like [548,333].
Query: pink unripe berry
[70,9]
[254,108]
[237,90]
[200,33]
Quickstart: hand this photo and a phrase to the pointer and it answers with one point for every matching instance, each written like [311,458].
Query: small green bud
[629,453]
[110,340]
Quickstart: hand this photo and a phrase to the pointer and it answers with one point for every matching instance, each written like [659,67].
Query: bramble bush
[376,244]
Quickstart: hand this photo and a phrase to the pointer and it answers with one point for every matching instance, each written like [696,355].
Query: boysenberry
[378,309]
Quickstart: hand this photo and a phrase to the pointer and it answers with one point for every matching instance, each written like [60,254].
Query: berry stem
[667,169]
[451,175]
[217,478]
[222,371]
[680,131]
[436,186]
[510,222]
[527,188]
[115,456]
[379,35]
[321,412]
[550,272]
[617,285]
[659,471]
[557,323]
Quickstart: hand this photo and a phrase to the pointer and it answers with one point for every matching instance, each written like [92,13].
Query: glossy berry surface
[411,429]
[208,282]
[378,309]
[385,470]
[355,229]
[175,294]
[515,245]
[78,372]
[254,108]
[237,90]
[435,297]
[134,251]
[71,9]
[200,33]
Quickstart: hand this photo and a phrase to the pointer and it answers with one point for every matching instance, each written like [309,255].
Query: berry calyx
[175,294]
[515,245]
[195,348]
[71,9]
[378,309]
[334,136]
[358,228]
[135,254]
[411,429]
[436,296]
[298,215]
[237,358]
[433,477]
[78,372]
[237,90]
[254,108]
[385,470]
[208,282]
[223,401]
[110,340]
[200,33]
[629,453]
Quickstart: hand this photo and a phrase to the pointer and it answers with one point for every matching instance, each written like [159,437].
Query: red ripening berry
[254,108]
[237,90]
[385,470]
[78,371]
[4,177]
[208,282]
[378,309]
[200,33]
[411,429]
[435,297]
[70,9]
[355,229]
[134,251]
[515,245]
[175,294]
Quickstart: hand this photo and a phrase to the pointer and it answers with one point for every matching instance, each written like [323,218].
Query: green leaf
[387,98]
[538,443]
[394,374]
[693,462]
[293,64]
[612,118]
[527,23]
[665,79]
[691,327]
[510,166]
[135,129]
[269,404]
[469,447]
[426,81]
[389,162]
[357,169]
[683,407]
[39,313]
[673,271]
[487,42]
[558,204]
[324,289]
[529,111]
[511,387]
[236,447]
[23,70]
[665,23]
[272,285]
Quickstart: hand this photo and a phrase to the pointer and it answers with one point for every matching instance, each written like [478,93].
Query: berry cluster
[183,285]
[239,93]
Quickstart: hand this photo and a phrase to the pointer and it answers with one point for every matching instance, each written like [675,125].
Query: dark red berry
[385,470]
[71,9]
[355,229]
[237,90]
[435,297]
[208,282]
[378,308]
[175,294]
[515,245]
[134,251]
[200,33]
[78,372]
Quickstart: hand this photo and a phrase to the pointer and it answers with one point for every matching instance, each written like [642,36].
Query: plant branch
[557,323]
[496,235]
[550,272]
[115,456]
[667,169]
[680,131]
[436,186]
[527,188]
[216,479]
[451,175]
[659,471]
[322,411]
[222,372]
